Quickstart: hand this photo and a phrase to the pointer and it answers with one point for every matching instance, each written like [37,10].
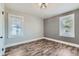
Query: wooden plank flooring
[42,48]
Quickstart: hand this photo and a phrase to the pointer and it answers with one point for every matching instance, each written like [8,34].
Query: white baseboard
[6,46]
[63,42]
[59,41]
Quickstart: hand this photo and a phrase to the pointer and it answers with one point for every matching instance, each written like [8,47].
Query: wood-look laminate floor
[42,48]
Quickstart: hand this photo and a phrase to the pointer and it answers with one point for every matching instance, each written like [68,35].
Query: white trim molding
[6,46]
[63,42]
[59,41]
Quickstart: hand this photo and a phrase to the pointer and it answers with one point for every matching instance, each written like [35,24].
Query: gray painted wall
[33,27]
[51,28]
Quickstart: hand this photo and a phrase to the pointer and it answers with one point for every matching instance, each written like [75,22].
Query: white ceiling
[34,9]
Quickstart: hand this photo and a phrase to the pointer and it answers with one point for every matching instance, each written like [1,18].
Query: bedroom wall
[32,28]
[51,27]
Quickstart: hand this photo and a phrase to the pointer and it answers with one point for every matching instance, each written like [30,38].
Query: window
[15,26]
[67,26]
